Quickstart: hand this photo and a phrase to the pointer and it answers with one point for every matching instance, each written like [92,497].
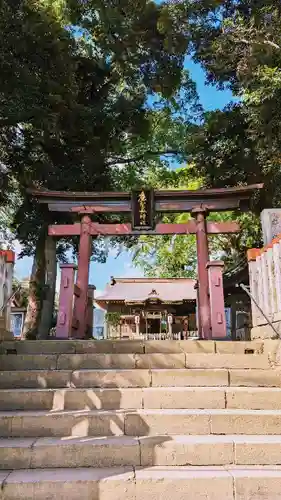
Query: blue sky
[122,266]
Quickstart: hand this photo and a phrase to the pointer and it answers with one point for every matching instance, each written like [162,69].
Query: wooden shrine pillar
[218,321]
[81,298]
[65,312]
[170,325]
[204,313]
[137,323]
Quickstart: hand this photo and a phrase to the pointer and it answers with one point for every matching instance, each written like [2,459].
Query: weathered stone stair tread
[131,361]
[53,346]
[135,420]
[197,450]
[179,411]
[147,397]
[69,452]
[139,422]
[139,378]
[127,483]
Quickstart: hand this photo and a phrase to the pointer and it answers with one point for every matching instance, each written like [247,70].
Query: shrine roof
[138,290]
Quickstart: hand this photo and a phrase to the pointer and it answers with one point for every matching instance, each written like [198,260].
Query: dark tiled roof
[141,289]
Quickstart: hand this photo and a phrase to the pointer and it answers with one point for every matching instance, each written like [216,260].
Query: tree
[20,294]
[76,79]
[7,237]
[239,46]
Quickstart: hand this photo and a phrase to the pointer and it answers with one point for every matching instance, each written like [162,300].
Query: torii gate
[143,205]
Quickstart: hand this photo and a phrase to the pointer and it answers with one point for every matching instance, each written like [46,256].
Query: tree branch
[265,41]
[273,44]
[124,161]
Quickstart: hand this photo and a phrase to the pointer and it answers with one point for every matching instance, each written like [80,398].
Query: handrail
[246,289]
[9,299]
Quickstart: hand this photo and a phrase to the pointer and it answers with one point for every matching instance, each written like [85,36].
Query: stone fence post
[65,312]
[218,320]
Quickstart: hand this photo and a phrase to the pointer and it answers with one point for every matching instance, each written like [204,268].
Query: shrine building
[150,307]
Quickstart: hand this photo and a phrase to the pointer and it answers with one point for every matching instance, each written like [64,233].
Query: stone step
[118,451]
[139,422]
[129,346]
[149,483]
[74,346]
[131,361]
[227,421]
[255,398]
[139,378]
[28,362]
[35,378]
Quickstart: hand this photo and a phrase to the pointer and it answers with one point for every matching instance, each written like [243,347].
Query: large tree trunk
[36,283]
[50,288]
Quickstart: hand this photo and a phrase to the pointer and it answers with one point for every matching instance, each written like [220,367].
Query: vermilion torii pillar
[199,203]
[82,282]
[200,214]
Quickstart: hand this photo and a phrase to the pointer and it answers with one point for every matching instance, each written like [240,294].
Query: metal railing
[246,289]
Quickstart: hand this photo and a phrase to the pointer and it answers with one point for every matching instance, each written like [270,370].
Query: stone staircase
[132,420]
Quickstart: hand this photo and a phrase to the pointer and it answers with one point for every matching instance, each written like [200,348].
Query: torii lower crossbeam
[96,229]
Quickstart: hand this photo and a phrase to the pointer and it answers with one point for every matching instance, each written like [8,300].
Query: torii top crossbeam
[213,200]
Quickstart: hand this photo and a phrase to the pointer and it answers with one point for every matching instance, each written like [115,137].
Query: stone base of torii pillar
[68,321]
